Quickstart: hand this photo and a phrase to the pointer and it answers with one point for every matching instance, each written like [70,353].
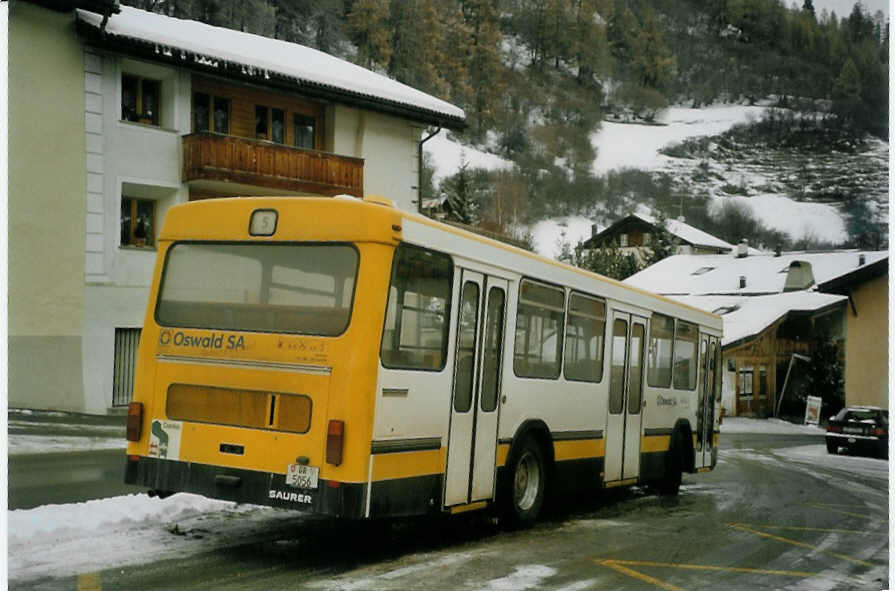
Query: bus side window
[417,315]
[661,335]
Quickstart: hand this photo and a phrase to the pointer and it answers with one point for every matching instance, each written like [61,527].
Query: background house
[116,114]
[774,316]
[866,331]
[634,234]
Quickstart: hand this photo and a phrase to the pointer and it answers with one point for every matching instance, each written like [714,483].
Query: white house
[116,114]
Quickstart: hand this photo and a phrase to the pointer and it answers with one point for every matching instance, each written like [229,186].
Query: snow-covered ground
[771,426]
[447,156]
[625,145]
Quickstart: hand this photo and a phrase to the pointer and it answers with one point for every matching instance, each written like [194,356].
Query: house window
[137,222]
[221,116]
[262,125]
[126,343]
[201,112]
[762,382]
[278,126]
[303,131]
[623,240]
[140,99]
[745,381]
[207,119]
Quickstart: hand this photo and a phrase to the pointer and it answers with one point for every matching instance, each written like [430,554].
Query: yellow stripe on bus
[579,449]
[408,464]
[503,450]
[653,443]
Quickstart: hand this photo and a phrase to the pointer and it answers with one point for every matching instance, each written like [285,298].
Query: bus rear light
[334,484]
[335,436]
[134,421]
[133,458]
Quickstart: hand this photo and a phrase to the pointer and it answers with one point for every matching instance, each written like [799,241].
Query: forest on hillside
[537,77]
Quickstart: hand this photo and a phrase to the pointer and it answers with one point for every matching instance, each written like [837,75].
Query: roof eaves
[842,283]
[213,65]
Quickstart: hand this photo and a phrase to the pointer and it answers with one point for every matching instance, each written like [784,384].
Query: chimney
[742,249]
[862,258]
[742,281]
[778,250]
[594,230]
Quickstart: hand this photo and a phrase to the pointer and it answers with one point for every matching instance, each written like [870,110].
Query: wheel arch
[682,426]
[538,430]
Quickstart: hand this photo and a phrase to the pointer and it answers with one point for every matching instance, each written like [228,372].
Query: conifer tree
[367,23]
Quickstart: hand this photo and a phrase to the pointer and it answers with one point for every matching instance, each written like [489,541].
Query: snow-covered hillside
[760,185]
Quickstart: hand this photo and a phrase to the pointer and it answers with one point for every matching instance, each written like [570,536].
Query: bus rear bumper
[246,486]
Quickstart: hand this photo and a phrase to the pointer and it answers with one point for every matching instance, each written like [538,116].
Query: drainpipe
[419,181]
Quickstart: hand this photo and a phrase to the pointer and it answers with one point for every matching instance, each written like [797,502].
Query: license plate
[856,430]
[301,476]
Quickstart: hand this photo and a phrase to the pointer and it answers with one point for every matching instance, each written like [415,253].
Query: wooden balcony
[214,157]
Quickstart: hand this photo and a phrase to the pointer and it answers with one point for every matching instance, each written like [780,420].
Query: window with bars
[126,342]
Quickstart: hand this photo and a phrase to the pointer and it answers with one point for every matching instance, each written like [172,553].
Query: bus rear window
[281,288]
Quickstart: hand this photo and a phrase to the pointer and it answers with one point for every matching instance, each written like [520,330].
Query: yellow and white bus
[344,357]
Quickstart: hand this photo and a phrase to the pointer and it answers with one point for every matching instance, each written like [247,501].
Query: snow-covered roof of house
[688,233]
[748,316]
[235,53]
[719,274]
[678,228]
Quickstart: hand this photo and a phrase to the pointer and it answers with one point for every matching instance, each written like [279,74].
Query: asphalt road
[759,521]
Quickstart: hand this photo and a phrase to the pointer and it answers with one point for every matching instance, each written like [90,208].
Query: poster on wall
[812,410]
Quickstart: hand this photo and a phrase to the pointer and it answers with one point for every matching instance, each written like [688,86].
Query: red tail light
[879,431]
[134,421]
[834,428]
[335,437]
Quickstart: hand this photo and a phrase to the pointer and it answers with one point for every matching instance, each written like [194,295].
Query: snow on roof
[687,233]
[217,44]
[764,273]
[748,316]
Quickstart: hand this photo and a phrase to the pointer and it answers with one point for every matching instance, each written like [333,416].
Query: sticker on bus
[164,439]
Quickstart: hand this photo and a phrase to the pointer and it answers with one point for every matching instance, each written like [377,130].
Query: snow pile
[63,540]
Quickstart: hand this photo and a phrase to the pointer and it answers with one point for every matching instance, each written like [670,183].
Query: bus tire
[524,486]
[670,483]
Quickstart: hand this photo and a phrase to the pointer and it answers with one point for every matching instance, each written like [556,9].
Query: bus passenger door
[484,457]
[625,409]
[706,419]
[462,425]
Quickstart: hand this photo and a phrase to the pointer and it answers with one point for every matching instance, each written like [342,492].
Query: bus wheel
[524,494]
[670,483]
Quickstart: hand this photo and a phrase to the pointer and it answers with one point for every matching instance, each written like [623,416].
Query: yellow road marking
[732,569]
[832,508]
[89,582]
[614,565]
[746,528]
[825,529]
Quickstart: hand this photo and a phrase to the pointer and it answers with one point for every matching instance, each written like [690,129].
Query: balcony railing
[208,156]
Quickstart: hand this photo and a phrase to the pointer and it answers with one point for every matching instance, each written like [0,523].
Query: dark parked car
[859,428]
